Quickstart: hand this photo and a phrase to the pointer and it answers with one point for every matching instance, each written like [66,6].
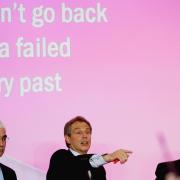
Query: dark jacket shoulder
[8,173]
[63,156]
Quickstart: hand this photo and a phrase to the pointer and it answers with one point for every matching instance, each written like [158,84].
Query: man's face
[2,141]
[172,176]
[80,138]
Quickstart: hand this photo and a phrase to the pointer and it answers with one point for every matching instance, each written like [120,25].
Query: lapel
[3,168]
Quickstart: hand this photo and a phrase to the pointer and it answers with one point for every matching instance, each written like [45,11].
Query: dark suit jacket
[65,166]
[8,173]
[166,167]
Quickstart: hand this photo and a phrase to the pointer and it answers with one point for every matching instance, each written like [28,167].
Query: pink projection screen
[117,63]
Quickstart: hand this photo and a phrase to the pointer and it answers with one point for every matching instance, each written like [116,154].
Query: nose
[84,134]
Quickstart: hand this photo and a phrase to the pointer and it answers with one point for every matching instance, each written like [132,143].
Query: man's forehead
[2,131]
[80,125]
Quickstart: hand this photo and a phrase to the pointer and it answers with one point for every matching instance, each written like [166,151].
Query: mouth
[84,143]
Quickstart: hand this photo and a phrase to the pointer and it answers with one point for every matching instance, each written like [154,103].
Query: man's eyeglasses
[4,138]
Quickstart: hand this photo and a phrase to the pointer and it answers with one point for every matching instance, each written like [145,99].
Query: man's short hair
[67,127]
[167,167]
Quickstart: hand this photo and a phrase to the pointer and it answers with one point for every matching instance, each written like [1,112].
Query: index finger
[127,151]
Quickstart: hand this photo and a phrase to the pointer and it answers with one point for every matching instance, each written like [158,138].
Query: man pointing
[75,163]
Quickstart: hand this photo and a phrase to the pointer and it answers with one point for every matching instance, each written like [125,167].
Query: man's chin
[85,149]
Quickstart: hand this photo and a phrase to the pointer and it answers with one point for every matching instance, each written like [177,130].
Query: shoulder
[7,169]
[161,169]
[61,153]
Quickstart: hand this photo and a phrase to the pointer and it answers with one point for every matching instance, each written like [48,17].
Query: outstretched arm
[120,155]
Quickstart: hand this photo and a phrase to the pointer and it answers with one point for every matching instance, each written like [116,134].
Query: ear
[67,139]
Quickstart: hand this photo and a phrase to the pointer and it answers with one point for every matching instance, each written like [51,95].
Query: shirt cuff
[97,161]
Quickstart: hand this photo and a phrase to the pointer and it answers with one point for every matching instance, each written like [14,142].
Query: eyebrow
[81,128]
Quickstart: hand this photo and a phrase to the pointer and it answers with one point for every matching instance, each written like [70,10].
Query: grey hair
[2,125]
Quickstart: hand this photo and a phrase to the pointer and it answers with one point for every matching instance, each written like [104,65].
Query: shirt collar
[74,152]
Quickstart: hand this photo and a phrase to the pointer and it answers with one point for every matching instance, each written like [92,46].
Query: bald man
[6,173]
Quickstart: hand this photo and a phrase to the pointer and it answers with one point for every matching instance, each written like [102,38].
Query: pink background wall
[123,76]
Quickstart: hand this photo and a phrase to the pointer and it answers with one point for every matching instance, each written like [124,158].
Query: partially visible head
[172,176]
[169,170]
[3,137]
[77,133]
